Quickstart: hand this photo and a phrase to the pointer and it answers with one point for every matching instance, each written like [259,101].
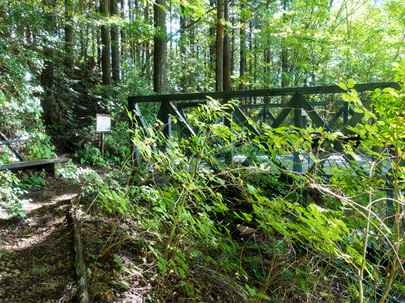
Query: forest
[254,151]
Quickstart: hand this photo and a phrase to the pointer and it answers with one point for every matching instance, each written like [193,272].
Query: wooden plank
[284,113]
[336,117]
[139,118]
[319,122]
[242,118]
[268,113]
[190,104]
[259,115]
[24,138]
[31,163]
[356,118]
[332,89]
[163,115]
[280,105]
[184,125]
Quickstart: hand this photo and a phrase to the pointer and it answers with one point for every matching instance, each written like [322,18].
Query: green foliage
[40,147]
[10,193]
[33,181]
[364,189]
[185,194]
[181,195]
[82,175]
[91,155]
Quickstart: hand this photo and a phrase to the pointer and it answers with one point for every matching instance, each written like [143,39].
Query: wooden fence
[296,103]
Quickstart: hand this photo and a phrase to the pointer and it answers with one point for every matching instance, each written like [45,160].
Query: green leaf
[70,13]
[346,97]
[251,188]
[3,99]
[342,86]
[262,296]
[252,291]
[395,94]
[350,83]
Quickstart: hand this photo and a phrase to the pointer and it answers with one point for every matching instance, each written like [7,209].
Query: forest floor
[37,254]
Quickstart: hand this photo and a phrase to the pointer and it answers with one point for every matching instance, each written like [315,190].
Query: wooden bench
[49,165]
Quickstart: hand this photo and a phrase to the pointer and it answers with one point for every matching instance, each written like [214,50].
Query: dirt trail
[36,254]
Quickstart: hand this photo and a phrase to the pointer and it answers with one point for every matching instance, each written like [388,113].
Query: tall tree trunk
[51,111]
[160,48]
[242,51]
[147,47]
[212,30]
[284,65]
[28,35]
[130,33]
[99,51]
[192,40]
[115,49]
[250,51]
[183,38]
[227,51]
[233,47]
[68,35]
[106,44]
[123,34]
[183,47]
[219,66]
[284,52]
[266,59]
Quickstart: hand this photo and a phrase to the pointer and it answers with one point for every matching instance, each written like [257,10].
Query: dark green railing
[173,105]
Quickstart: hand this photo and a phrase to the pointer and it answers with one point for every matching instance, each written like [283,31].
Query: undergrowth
[186,226]
[209,231]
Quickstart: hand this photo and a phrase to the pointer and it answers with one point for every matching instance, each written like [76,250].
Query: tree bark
[106,44]
[242,51]
[115,49]
[123,34]
[51,111]
[68,36]
[266,58]
[219,67]
[284,52]
[183,38]
[4,32]
[251,52]
[227,51]
[160,48]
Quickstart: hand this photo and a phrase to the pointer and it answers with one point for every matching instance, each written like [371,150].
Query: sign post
[103,125]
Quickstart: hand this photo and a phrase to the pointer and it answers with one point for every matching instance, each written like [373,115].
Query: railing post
[164,116]
[297,162]
[228,123]
[264,119]
[345,113]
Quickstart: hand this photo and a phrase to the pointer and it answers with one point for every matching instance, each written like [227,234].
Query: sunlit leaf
[342,86]
[350,83]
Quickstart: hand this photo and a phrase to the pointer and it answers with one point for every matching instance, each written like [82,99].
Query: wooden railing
[297,104]
[173,105]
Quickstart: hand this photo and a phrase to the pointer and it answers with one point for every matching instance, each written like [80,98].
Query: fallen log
[82,287]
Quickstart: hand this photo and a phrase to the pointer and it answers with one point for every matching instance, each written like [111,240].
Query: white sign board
[103,123]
